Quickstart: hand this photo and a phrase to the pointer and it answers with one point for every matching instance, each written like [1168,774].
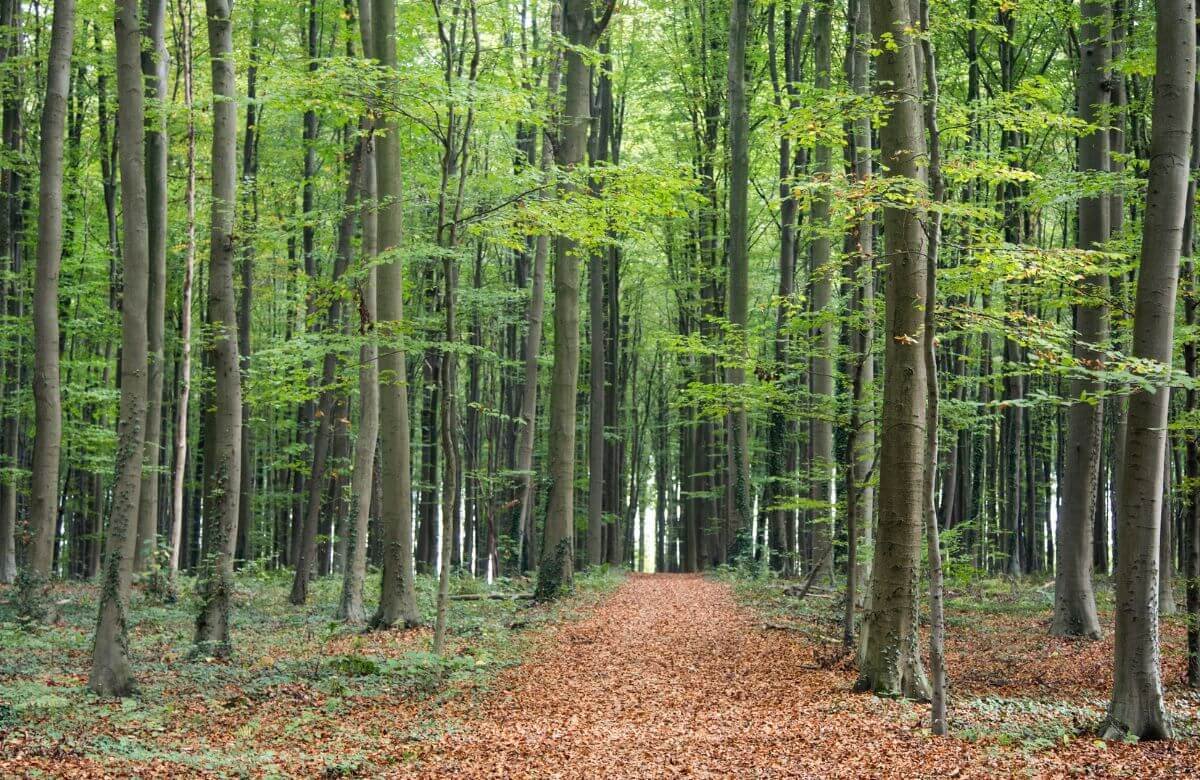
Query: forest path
[669,677]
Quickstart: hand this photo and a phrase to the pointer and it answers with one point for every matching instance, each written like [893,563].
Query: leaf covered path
[670,677]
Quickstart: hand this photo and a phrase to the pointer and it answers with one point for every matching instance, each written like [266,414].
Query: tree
[398,599]
[154,69]
[179,472]
[111,674]
[1137,707]
[825,331]
[582,29]
[1074,602]
[891,662]
[223,461]
[739,259]
[47,389]
[351,607]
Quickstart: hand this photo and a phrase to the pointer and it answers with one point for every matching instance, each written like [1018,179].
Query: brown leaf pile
[667,678]
[670,678]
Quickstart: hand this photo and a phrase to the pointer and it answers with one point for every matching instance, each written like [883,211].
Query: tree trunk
[223,469]
[398,599]
[739,262]
[154,69]
[891,661]
[111,674]
[1074,602]
[557,559]
[185,309]
[245,540]
[351,608]
[46,382]
[825,335]
[1137,707]
[1192,452]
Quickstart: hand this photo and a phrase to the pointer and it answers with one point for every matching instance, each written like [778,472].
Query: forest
[599,388]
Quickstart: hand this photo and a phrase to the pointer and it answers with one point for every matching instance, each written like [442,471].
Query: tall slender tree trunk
[351,607]
[825,333]
[111,673]
[739,262]
[1192,451]
[1137,707]
[179,473]
[863,300]
[555,573]
[398,599]
[1074,602]
[12,244]
[154,70]
[527,551]
[47,444]
[937,619]
[891,661]
[245,540]
[223,462]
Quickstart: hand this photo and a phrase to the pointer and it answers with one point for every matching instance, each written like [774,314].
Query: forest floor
[671,675]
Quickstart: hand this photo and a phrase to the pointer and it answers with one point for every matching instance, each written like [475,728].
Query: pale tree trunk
[863,339]
[891,661]
[1074,601]
[1137,707]
[12,240]
[223,456]
[739,262]
[179,473]
[154,69]
[937,618]
[825,333]
[111,674]
[398,598]
[351,607]
[47,444]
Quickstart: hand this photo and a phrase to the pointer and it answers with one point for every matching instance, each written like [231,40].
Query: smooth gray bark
[223,453]
[891,661]
[398,599]
[47,391]
[555,572]
[351,607]
[825,329]
[154,69]
[111,673]
[1137,707]
[1074,601]
[179,473]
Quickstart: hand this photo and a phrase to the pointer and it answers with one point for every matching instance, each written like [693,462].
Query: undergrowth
[202,714]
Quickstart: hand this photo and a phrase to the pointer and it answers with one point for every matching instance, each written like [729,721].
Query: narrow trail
[669,677]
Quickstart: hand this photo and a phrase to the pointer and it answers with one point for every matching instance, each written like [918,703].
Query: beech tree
[891,661]
[111,673]
[1137,707]
[47,378]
